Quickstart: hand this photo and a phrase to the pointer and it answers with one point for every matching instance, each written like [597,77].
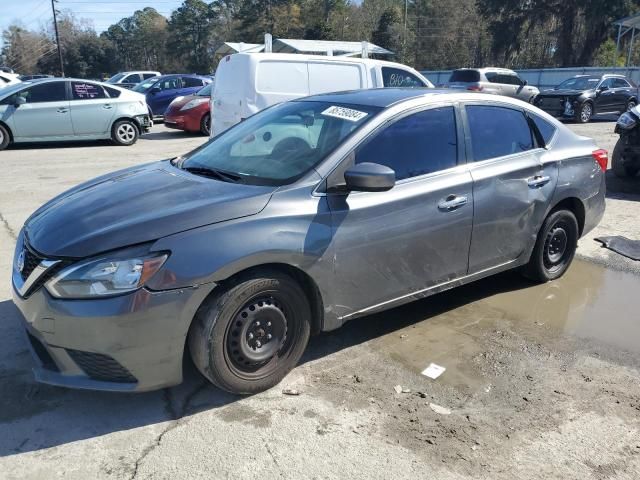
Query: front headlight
[626,121]
[194,103]
[110,275]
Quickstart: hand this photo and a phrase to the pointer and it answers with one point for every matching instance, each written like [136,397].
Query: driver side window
[421,143]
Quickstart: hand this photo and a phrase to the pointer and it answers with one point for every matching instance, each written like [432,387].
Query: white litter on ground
[439,409]
[433,371]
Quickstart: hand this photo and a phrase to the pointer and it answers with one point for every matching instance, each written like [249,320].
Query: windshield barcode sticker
[344,113]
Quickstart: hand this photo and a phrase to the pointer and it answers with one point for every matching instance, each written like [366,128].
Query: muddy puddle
[590,304]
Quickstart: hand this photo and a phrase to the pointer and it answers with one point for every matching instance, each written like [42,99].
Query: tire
[5,138]
[630,105]
[584,113]
[205,124]
[125,132]
[555,247]
[228,331]
[618,166]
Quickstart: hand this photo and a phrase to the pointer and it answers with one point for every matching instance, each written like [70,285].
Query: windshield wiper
[213,173]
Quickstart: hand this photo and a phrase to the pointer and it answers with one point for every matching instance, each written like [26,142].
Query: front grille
[42,353]
[31,261]
[101,367]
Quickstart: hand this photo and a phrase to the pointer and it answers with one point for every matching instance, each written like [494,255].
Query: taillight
[474,88]
[601,156]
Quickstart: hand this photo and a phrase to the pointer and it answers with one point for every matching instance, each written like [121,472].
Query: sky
[31,14]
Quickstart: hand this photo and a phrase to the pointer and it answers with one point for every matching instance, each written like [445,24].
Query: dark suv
[583,96]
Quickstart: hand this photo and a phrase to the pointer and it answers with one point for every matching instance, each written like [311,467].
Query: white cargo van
[249,82]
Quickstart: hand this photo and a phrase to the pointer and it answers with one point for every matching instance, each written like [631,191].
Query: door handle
[538,181]
[62,110]
[452,202]
[107,107]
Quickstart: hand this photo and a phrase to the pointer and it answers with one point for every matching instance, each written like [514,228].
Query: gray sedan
[56,109]
[302,217]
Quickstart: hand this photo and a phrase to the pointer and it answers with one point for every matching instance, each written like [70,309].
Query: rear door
[46,113]
[190,85]
[511,186]
[91,109]
[414,236]
[623,93]
[605,100]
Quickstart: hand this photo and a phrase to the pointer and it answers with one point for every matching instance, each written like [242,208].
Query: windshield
[116,77]
[205,92]
[579,83]
[279,145]
[145,85]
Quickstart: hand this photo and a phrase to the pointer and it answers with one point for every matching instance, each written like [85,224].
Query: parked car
[625,161]
[583,96]
[7,79]
[242,248]
[55,109]
[161,91]
[249,82]
[499,81]
[131,79]
[24,78]
[191,113]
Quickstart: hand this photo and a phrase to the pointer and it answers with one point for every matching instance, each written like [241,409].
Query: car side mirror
[525,83]
[369,177]
[603,88]
[19,101]
[154,90]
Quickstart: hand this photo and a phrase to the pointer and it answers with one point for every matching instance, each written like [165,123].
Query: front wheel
[205,124]
[5,139]
[125,132]
[584,113]
[622,169]
[555,247]
[246,337]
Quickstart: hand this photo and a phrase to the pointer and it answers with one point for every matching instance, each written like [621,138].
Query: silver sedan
[59,109]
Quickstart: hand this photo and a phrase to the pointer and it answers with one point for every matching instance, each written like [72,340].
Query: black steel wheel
[555,247]
[621,166]
[246,337]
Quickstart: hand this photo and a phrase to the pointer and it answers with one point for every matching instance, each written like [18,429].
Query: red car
[191,113]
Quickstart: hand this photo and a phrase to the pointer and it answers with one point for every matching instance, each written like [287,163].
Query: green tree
[386,33]
[190,31]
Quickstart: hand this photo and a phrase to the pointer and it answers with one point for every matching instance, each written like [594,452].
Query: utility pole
[55,24]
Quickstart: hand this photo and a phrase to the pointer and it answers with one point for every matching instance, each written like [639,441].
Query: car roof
[297,57]
[489,69]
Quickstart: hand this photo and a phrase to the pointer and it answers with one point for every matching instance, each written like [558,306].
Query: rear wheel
[246,337]
[125,132]
[584,113]
[5,139]
[555,247]
[620,169]
[205,124]
[631,104]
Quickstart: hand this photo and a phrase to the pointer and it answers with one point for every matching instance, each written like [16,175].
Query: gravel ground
[541,381]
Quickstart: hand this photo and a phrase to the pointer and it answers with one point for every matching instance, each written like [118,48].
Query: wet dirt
[540,379]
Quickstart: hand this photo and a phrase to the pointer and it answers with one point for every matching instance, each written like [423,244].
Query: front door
[511,186]
[391,244]
[91,109]
[605,99]
[45,114]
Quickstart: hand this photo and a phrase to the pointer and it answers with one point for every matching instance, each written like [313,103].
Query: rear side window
[86,91]
[546,129]
[112,92]
[620,83]
[190,82]
[168,83]
[148,75]
[424,142]
[465,76]
[396,77]
[497,131]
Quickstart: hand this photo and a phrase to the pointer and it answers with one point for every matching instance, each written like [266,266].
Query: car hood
[137,205]
[181,101]
[563,93]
